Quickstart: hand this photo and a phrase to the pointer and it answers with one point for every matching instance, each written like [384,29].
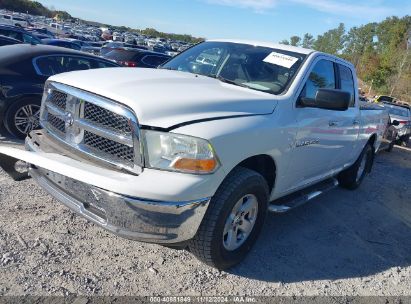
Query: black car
[62,43]
[24,69]
[4,40]
[137,58]
[159,48]
[18,33]
[41,33]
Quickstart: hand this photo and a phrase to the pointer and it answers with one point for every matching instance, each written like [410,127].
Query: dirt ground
[342,243]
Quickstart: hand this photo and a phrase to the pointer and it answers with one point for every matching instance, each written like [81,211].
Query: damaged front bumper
[129,217]
[156,206]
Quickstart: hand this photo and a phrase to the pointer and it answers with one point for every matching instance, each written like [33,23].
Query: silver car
[400,117]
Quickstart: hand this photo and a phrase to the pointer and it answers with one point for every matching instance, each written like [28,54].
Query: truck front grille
[58,99]
[106,118]
[56,123]
[95,126]
[99,144]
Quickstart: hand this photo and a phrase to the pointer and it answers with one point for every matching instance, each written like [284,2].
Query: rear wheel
[22,117]
[233,220]
[352,177]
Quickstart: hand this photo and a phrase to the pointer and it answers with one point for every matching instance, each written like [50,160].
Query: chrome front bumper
[129,217]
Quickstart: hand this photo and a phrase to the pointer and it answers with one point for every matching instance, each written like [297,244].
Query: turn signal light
[195,165]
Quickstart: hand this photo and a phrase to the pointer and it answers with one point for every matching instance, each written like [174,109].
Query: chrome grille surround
[95,126]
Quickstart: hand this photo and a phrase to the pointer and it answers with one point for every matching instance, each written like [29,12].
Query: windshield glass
[258,68]
[386,98]
[399,111]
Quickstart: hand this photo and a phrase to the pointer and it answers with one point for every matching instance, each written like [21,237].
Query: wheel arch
[262,164]
[11,100]
[372,141]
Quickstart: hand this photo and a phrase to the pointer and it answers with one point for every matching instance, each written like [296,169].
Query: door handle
[333,123]
[355,122]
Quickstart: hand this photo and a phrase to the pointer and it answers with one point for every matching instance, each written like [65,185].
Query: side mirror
[395,123]
[329,99]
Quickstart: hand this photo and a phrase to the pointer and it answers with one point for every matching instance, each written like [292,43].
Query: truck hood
[164,98]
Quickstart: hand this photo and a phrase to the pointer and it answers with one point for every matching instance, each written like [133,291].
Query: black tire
[207,245]
[15,107]
[351,178]
[404,140]
[10,164]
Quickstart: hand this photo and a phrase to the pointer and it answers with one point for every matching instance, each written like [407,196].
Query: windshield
[399,111]
[385,98]
[258,68]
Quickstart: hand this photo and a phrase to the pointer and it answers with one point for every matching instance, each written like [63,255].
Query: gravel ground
[343,243]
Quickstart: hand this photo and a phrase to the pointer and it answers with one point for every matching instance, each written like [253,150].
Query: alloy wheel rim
[240,222]
[27,118]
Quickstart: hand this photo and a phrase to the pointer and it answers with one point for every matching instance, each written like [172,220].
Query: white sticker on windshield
[281,59]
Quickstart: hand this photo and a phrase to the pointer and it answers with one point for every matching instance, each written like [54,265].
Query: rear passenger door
[348,122]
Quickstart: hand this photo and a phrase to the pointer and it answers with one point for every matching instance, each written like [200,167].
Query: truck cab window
[322,76]
[347,82]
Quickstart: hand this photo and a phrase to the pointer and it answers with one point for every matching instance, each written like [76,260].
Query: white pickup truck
[195,153]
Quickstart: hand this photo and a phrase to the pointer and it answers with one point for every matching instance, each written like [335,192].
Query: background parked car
[384,98]
[117,45]
[62,43]
[13,20]
[4,40]
[23,72]
[92,47]
[402,115]
[137,58]
[41,33]
[159,48]
[19,34]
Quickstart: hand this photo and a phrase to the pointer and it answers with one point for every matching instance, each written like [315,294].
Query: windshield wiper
[165,68]
[225,80]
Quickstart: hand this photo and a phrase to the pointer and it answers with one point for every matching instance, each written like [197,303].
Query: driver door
[317,140]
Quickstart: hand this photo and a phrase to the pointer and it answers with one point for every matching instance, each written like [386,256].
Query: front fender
[238,139]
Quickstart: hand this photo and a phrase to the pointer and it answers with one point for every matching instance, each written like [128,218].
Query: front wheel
[233,220]
[352,177]
[22,117]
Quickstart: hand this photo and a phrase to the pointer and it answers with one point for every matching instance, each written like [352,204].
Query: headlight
[175,152]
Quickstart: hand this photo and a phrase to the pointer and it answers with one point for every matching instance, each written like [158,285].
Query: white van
[13,20]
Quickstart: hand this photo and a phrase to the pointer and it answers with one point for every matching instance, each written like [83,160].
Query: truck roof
[268,44]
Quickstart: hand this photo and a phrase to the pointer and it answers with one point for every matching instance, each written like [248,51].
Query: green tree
[332,41]
[295,40]
[308,41]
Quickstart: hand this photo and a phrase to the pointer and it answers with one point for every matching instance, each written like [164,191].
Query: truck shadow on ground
[343,234]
